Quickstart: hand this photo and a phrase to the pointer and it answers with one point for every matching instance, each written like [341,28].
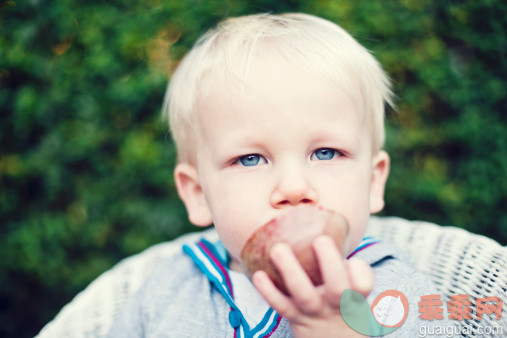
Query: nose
[293,187]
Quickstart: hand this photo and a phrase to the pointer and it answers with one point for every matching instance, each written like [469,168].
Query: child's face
[290,139]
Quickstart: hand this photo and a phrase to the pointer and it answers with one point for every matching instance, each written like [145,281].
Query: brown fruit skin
[298,228]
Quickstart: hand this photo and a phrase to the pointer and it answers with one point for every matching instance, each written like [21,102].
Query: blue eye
[250,160]
[325,154]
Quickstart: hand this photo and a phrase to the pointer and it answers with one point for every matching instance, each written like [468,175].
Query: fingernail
[277,251]
[364,284]
[323,240]
[256,278]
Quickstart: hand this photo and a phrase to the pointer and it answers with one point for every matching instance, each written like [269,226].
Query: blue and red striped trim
[366,242]
[207,257]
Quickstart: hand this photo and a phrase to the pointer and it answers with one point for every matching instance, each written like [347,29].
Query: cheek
[230,224]
[348,194]
[232,240]
[357,231]
[235,213]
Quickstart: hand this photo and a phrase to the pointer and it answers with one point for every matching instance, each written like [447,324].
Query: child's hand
[315,311]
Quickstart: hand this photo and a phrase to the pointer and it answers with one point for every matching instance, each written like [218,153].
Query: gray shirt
[182,299]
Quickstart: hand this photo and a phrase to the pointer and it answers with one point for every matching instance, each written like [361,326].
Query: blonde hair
[227,51]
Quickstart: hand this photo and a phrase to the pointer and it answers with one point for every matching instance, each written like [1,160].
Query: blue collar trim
[212,259]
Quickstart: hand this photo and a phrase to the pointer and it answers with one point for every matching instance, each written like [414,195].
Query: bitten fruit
[298,228]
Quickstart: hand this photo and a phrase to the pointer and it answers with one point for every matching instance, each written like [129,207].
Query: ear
[190,191]
[380,172]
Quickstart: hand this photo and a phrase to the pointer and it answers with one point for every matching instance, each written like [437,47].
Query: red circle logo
[390,308]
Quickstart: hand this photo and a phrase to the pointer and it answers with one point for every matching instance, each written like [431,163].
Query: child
[270,113]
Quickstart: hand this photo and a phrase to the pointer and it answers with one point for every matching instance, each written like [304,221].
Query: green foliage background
[86,163]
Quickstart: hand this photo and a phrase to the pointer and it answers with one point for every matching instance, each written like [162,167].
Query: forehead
[274,86]
[237,74]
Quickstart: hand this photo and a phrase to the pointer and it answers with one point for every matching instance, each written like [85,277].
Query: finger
[361,276]
[276,299]
[332,268]
[303,292]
